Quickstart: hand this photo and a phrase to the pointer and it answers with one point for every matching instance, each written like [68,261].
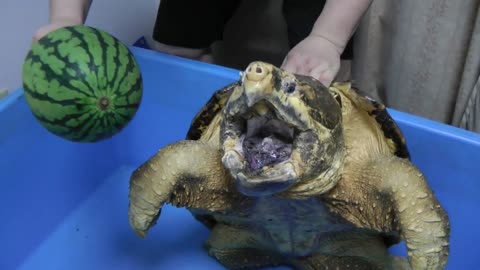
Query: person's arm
[74,11]
[64,13]
[339,20]
[318,55]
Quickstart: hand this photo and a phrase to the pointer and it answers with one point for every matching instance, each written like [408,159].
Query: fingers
[45,30]
[321,70]
[324,73]
[316,57]
[290,64]
[297,64]
[39,34]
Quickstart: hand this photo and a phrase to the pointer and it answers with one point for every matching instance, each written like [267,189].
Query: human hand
[314,56]
[44,30]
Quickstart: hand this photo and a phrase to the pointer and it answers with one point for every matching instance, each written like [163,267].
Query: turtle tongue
[267,142]
[267,151]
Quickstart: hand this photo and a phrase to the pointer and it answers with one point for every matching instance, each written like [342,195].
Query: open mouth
[267,141]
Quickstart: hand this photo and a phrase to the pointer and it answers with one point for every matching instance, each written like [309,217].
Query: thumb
[38,35]
[43,31]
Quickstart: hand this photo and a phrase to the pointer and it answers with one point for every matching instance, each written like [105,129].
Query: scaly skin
[339,202]
[185,174]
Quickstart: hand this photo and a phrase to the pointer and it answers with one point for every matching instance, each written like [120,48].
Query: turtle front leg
[186,174]
[424,224]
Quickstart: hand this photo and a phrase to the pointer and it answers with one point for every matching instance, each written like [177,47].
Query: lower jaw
[259,187]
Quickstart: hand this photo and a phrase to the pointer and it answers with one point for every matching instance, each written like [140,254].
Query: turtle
[284,171]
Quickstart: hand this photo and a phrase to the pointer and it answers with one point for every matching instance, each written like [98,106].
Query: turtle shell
[377,111]
[374,109]
[205,116]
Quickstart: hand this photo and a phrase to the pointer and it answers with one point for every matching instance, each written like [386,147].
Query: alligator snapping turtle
[285,171]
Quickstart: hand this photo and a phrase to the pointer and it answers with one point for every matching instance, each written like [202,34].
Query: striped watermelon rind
[82,83]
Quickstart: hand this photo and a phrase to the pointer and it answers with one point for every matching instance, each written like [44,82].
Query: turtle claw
[141,233]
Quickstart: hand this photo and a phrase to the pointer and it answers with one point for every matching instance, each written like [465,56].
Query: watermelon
[81,83]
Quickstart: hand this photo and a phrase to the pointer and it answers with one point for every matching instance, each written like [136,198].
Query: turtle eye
[290,88]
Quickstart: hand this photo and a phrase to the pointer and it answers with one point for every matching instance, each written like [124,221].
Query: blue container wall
[42,179]
[449,159]
[45,179]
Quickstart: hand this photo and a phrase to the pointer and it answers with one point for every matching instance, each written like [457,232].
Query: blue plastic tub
[64,204]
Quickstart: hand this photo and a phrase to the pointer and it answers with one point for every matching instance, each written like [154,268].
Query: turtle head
[281,132]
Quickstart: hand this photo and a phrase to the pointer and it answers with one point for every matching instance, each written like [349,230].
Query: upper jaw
[256,81]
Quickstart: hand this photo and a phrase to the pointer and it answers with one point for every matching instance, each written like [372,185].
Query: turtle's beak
[257,82]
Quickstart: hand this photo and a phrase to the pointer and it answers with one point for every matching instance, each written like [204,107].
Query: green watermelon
[81,83]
